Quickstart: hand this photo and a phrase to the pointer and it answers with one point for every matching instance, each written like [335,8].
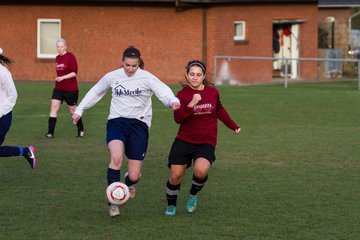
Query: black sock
[51,125]
[172,192]
[113,175]
[197,184]
[80,125]
[128,182]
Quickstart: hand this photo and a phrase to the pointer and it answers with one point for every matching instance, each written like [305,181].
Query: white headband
[1,51]
[197,64]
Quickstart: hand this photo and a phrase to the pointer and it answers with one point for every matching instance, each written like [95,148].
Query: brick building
[335,32]
[168,32]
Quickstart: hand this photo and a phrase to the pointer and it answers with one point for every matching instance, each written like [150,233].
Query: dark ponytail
[141,63]
[6,60]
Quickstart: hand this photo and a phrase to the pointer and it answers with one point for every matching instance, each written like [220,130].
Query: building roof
[155,1]
[251,1]
[339,3]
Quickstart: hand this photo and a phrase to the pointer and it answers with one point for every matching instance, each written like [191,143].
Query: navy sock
[113,175]
[80,125]
[9,151]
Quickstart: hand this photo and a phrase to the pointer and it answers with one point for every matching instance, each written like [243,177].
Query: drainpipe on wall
[204,34]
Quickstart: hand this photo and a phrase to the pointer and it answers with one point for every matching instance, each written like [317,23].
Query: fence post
[358,74]
[286,72]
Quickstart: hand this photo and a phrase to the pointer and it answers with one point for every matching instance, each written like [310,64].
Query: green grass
[292,173]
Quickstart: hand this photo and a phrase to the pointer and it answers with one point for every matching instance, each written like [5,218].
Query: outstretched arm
[91,98]
[175,106]
[164,93]
[224,116]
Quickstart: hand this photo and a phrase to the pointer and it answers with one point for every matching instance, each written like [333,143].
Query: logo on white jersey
[120,90]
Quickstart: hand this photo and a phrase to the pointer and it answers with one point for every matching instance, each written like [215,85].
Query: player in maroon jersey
[66,88]
[197,136]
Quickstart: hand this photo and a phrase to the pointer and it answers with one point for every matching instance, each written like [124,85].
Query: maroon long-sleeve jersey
[199,124]
[66,64]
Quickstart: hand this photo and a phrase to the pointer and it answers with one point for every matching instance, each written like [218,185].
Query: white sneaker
[81,133]
[114,210]
[49,135]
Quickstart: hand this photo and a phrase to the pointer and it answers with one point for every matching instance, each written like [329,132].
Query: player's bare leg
[200,175]
[133,175]
[173,188]
[55,106]
[116,148]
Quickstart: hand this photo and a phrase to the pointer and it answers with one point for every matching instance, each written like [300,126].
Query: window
[48,32]
[239,30]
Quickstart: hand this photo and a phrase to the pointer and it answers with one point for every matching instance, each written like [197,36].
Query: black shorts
[70,97]
[183,153]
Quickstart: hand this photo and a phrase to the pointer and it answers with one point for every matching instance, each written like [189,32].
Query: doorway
[286,44]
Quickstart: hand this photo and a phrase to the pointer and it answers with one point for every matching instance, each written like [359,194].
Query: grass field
[292,173]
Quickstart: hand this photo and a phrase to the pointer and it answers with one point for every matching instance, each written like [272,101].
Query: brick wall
[168,38]
[259,20]
[98,35]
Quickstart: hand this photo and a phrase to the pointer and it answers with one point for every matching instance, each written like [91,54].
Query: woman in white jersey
[130,115]
[8,97]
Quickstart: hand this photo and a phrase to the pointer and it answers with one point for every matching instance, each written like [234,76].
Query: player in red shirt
[66,88]
[197,136]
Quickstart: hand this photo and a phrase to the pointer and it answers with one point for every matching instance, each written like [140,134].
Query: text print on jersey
[203,109]
[120,90]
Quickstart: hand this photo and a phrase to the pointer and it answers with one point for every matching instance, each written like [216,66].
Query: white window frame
[243,36]
[39,22]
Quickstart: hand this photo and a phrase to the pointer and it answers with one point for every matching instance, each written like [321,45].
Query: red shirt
[66,64]
[199,124]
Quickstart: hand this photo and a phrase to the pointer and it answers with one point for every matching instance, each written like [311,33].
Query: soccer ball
[117,193]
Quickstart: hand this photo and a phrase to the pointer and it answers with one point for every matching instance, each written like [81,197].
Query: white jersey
[131,96]
[8,93]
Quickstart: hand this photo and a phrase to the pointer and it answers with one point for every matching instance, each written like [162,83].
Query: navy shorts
[183,153]
[132,132]
[70,97]
[5,123]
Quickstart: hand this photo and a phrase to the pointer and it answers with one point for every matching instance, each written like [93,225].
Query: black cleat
[30,156]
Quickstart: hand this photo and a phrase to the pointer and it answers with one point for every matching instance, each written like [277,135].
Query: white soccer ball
[117,193]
